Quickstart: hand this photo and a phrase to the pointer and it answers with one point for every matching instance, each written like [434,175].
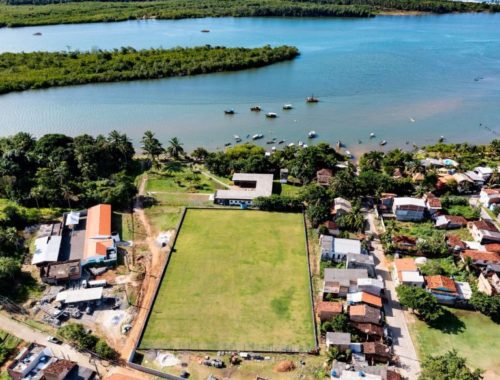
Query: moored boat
[271,115]
[205,31]
[229,112]
[372,135]
[281,141]
[255,109]
[312,99]
[312,134]
[287,107]
[383,142]
[37,34]
[257,136]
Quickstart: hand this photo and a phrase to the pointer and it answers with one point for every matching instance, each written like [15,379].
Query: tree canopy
[423,303]
[449,366]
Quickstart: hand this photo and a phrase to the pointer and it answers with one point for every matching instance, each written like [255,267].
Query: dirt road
[154,266]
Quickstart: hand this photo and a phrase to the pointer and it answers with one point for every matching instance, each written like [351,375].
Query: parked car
[54,340]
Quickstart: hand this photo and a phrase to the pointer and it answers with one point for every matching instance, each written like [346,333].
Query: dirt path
[153,272]
[215,179]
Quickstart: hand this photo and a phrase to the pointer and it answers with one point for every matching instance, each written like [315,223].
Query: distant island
[24,71]
[15,13]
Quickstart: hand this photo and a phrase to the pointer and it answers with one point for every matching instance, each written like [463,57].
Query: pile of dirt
[285,366]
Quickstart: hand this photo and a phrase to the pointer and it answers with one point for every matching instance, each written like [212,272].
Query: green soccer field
[237,280]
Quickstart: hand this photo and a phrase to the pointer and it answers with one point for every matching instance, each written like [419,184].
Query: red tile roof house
[489,197]
[455,243]
[364,298]
[403,243]
[449,222]
[405,272]
[364,314]
[99,246]
[327,310]
[484,231]
[443,288]
[373,332]
[376,352]
[324,176]
[332,228]
[433,204]
[481,258]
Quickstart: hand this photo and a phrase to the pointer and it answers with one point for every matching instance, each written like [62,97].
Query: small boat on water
[273,148]
[37,34]
[441,139]
[229,112]
[412,119]
[312,99]
[255,109]
[383,142]
[227,144]
[312,134]
[271,115]
[301,144]
[287,107]
[237,140]
[270,142]
[257,136]
[372,135]
[291,144]
[305,146]
[339,144]
[281,141]
[360,142]
[205,31]
[236,137]
[348,154]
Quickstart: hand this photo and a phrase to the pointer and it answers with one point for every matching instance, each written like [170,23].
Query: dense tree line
[43,12]
[23,71]
[58,170]
[78,335]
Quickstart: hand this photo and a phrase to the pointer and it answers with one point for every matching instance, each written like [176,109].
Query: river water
[408,79]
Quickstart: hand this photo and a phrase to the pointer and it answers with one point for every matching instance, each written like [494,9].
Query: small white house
[489,197]
[409,209]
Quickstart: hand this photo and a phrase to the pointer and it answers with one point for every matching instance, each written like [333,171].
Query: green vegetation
[61,171]
[447,366]
[78,335]
[421,302]
[236,280]
[106,11]
[445,267]
[455,205]
[474,336]
[23,71]
[8,345]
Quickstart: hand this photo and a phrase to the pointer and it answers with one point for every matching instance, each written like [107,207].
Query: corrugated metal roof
[80,295]
[46,249]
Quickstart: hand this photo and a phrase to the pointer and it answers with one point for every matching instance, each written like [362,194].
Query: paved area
[395,316]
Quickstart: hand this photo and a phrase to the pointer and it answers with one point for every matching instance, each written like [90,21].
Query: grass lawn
[237,280]
[177,177]
[472,334]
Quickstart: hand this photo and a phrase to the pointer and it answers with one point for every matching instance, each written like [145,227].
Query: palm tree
[175,148]
[121,142]
[152,146]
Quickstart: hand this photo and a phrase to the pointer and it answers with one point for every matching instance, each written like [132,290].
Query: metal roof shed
[80,295]
[46,250]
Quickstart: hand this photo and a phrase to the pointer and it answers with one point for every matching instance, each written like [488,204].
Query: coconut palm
[175,148]
[152,146]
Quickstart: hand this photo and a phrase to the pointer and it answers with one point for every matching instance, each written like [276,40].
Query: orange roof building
[481,257]
[99,245]
[441,283]
[328,310]
[405,272]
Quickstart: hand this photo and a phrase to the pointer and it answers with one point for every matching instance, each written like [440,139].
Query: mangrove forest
[23,71]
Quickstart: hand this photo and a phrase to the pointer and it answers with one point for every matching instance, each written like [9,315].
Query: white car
[54,340]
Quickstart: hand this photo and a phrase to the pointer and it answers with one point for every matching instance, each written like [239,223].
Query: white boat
[305,146]
[273,148]
[348,154]
[291,144]
[271,115]
[287,107]
[257,136]
[412,119]
[383,142]
[301,143]
[312,134]
[236,137]
[372,135]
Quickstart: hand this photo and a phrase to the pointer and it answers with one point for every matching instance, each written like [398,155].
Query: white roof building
[251,187]
[80,295]
[46,250]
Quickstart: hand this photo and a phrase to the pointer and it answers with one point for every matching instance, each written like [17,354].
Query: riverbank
[24,71]
[22,13]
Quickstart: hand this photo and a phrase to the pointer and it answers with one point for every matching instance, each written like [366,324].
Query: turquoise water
[407,79]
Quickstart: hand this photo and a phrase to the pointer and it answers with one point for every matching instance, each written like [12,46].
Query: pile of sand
[285,366]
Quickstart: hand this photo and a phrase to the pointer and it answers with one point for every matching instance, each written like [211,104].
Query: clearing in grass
[237,280]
